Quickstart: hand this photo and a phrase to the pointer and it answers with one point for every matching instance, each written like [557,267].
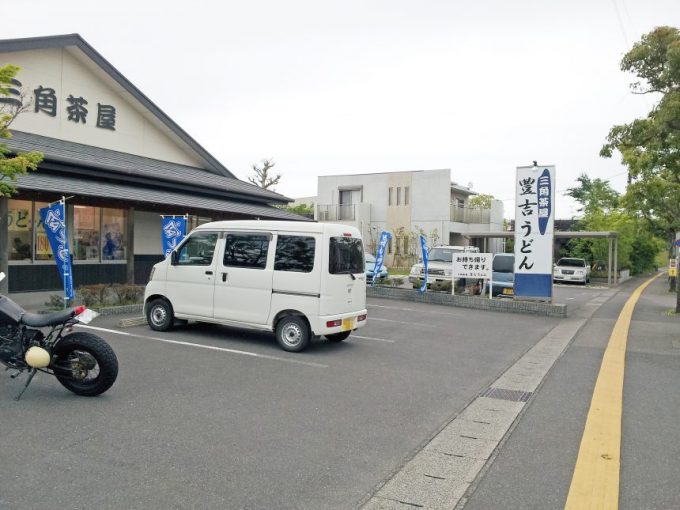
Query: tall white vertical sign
[534,231]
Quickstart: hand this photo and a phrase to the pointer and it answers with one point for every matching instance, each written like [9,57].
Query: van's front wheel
[292,334]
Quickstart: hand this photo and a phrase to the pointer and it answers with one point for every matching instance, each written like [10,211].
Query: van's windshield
[346,255]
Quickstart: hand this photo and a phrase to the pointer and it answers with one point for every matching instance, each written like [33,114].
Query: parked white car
[439,266]
[571,270]
[293,278]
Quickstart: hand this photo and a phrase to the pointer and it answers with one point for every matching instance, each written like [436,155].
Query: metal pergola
[612,236]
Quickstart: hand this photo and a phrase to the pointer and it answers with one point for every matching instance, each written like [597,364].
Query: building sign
[45,101]
[672,268]
[472,265]
[534,224]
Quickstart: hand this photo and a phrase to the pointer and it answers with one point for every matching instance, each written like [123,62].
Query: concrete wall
[69,72]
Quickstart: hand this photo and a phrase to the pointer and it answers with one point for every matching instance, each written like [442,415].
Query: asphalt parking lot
[212,417]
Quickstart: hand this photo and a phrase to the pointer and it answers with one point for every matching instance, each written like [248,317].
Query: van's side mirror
[174,258]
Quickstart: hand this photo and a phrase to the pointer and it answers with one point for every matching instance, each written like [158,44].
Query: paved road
[191,427]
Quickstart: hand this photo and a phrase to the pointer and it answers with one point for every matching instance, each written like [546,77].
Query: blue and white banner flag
[173,230]
[423,247]
[380,255]
[54,221]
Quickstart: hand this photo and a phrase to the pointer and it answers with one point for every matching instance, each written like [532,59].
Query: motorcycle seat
[41,320]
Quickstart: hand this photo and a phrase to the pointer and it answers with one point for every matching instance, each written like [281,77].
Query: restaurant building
[117,158]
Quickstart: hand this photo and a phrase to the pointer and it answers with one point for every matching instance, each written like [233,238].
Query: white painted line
[201,346]
[371,338]
[420,325]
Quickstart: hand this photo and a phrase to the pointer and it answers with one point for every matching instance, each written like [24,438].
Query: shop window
[113,240]
[43,251]
[86,221]
[20,230]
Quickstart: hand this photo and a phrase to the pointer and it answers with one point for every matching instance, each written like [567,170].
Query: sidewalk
[534,466]
[33,301]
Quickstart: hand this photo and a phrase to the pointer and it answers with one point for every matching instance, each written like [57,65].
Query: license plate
[507,292]
[347,324]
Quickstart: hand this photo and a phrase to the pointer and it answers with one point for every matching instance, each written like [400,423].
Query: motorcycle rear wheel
[76,347]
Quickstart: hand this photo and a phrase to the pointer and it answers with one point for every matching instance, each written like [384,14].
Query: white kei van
[296,279]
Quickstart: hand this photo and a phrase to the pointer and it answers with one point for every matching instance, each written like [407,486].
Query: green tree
[593,194]
[649,147]
[302,209]
[12,167]
[264,177]
[481,201]
[603,212]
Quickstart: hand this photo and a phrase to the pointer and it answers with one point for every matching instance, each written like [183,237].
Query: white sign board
[472,265]
[534,226]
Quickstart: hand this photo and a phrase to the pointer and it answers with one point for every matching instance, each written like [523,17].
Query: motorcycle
[82,362]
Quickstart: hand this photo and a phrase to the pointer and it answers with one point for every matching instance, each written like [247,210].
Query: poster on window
[534,221]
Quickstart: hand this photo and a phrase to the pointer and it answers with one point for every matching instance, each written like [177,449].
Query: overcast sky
[346,87]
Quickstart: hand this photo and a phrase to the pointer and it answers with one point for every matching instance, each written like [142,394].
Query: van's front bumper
[348,322]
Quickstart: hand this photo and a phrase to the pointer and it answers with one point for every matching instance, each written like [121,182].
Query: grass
[399,271]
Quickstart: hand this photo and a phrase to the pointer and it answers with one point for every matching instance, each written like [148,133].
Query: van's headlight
[415,270]
[580,273]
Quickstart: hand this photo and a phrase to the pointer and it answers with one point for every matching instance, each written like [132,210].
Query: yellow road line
[595,483]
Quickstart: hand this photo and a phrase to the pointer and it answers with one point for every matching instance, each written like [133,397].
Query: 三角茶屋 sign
[534,231]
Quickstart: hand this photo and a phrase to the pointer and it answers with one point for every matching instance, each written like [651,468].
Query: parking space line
[201,346]
[371,338]
[420,325]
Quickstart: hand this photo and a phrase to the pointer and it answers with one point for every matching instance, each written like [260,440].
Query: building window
[20,230]
[406,192]
[43,251]
[294,253]
[405,245]
[86,225]
[114,244]
[389,196]
[460,202]
[398,196]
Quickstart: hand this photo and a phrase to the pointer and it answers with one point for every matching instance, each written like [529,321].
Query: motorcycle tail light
[80,309]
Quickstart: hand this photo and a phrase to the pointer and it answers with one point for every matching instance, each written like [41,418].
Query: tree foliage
[603,212]
[264,177]
[593,194]
[12,167]
[302,209]
[650,147]
[481,201]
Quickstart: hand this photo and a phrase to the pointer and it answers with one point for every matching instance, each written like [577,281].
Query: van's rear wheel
[293,334]
[338,337]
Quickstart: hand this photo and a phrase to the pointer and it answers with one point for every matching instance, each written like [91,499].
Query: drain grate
[502,394]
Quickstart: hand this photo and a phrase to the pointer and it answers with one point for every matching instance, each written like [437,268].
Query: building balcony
[347,213]
[470,214]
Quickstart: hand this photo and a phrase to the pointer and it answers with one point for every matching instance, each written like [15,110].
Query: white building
[407,204]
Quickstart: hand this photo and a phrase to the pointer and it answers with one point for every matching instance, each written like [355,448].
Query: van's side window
[246,250]
[198,250]
[295,253]
[346,256]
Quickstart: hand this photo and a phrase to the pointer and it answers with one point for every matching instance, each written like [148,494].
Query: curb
[478,303]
